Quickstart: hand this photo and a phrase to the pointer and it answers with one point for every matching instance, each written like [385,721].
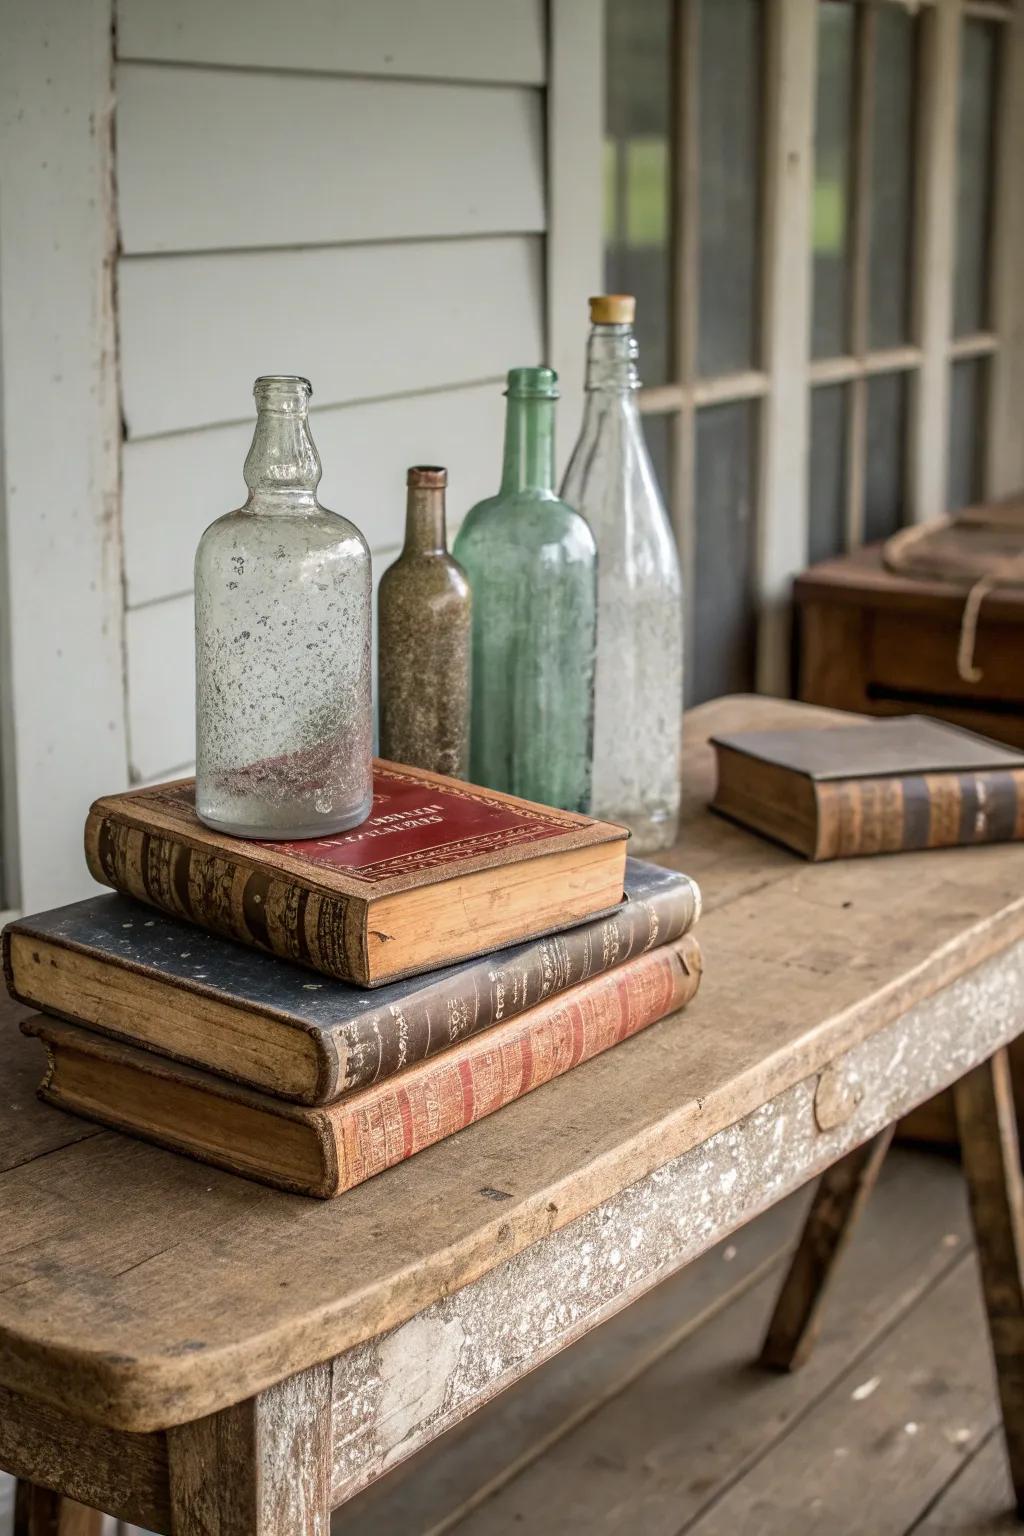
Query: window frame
[786,374]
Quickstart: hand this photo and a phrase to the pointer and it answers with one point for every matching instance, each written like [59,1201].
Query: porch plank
[885,1439]
[979,1500]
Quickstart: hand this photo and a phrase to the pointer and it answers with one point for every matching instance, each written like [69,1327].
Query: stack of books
[309,1014]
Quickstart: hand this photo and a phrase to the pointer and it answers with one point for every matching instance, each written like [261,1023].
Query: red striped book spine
[396,1119]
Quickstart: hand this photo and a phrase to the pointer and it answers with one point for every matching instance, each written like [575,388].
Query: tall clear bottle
[639,690]
[284,721]
[531,563]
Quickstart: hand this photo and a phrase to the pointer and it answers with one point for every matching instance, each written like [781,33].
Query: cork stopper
[612,309]
[427,477]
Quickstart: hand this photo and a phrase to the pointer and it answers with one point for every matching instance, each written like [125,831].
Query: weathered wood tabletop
[143,1293]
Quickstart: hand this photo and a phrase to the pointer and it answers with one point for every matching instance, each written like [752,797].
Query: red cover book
[440,871]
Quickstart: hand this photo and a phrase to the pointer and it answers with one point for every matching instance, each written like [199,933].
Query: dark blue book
[131,972]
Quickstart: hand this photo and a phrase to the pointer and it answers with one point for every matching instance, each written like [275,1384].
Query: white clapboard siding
[442,39]
[214,159]
[360,321]
[161,688]
[161,682]
[175,485]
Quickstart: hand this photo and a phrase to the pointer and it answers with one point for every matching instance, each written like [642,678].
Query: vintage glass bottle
[284,723]
[639,690]
[531,563]
[423,639]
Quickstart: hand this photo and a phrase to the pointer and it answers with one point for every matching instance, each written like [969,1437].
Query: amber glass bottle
[423,639]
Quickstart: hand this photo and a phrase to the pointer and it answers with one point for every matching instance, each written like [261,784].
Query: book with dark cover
[440,870]
[159,983]
[884,786]
[324,1151]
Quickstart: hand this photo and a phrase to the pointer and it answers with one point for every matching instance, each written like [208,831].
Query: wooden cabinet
[885,644]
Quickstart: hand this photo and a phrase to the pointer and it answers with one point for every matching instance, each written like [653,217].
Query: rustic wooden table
[205,1356]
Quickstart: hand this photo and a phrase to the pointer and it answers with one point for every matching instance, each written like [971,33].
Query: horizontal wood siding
[355,192]
[210,159]
[175,485]
[361,321]
[501,40]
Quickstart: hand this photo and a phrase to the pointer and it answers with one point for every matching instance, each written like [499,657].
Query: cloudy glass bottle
[639,692]
[531,563]
[284,723]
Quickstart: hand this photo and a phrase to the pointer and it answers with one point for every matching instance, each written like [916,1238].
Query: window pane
[886,456]
[729,135]
[828,482]
[892,182]
[638,196]
[966,425]
[833,159]
[974,175]
[724,622]
[658,433]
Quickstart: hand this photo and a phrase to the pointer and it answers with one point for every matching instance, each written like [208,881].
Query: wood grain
[125,1475]
[839,1200]
[259,1468]
[991,1157]
[164,1291]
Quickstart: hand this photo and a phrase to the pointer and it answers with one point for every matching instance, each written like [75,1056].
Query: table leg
[841,1195]
[261,1468]
[991,1159]
[40,1512]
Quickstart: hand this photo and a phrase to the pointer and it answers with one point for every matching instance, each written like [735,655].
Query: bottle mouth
[282,391]
[427,476]
[532,384]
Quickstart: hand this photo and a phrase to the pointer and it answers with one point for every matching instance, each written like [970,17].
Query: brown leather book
[441,870]
[156,982]
[325,1151]
[885,786]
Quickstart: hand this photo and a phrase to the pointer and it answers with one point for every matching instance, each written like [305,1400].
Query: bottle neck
[529,462]
[282,468]
[425,532]
[612,361]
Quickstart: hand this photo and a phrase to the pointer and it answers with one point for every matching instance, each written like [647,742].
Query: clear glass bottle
[639,692]
[284,722]
[531,563]
[423,639]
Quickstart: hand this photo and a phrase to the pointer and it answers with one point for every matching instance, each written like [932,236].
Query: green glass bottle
[532,567]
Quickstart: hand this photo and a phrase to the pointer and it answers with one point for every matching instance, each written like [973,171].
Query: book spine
[941,810]
[395,1120]
[500,988]
[216,892]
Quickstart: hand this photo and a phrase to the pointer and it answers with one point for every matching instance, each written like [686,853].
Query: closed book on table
[159,983]
[324,1151]
[441,870]
[885,786]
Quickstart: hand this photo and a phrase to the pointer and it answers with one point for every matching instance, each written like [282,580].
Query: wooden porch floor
[659,1424]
